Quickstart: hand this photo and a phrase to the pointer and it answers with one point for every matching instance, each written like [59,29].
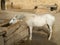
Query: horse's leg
[30,38]
[50,32]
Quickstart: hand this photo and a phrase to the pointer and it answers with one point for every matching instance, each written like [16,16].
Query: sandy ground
[38,39]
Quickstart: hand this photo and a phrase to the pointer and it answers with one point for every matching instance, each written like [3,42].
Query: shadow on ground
[38,39]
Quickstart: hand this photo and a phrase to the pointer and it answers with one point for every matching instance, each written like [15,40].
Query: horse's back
[50,19]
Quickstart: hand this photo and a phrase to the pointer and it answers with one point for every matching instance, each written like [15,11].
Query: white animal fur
[36,20]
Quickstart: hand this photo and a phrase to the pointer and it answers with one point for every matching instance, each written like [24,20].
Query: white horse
[36,20]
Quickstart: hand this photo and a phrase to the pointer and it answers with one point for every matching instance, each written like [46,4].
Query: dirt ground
[38,39]
[56,32]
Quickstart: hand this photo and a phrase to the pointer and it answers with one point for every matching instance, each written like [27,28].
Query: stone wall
[28,4]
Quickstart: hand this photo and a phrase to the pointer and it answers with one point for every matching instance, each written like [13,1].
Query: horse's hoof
[30,38]
[49,38]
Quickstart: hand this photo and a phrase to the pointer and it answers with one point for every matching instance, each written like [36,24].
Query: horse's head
[16,19]
[13,20]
